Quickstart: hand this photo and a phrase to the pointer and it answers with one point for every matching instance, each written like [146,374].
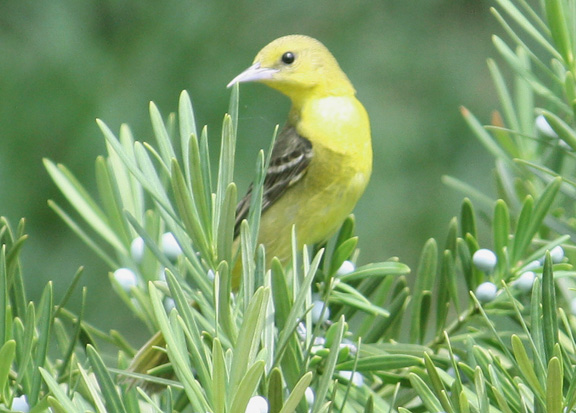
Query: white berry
[309,394]
[533,265]
[170,246]
[137,249]
[355,377]
[319,311]
[557,254]
[525,281]
[544,127]
[319,344]
[210,274]
[257,404]
[301,330]
[126,278]
[484,259]
[169,304]
[20,404]
[350,345]
[486,292]
[347,267]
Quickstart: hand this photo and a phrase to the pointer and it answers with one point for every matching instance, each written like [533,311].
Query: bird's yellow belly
[316,209]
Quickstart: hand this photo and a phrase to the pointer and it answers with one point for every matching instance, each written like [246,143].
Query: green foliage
[222,348]
[459,335]
[65,62]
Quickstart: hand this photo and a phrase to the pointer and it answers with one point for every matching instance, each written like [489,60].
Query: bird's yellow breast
[339,130]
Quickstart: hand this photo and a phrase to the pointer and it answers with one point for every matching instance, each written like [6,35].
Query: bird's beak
[253,74]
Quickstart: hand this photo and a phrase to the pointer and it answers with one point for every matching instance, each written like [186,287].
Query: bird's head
[298,66]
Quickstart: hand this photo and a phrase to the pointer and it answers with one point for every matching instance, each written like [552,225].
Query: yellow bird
[322,159]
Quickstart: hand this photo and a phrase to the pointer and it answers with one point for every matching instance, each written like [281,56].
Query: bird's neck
[329,85]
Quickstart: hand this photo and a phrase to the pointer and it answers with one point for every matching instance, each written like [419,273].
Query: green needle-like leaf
[485,138]
[525,366]
[275,390]
[559,29]
[191,319]
[249,340]
[113,401]
[188,132]
[226,224]
[425,278]
[247,387]
[549,306]
[342,253]
[382,362]
[162,136]
[83,203]
[177,352]
[219,378]
[110,196]
[189,213]
[44,326]
[59,393]
[506,101]
[380,269]
[426,394]
[448,292]
[297,393]
[93,389]
[501,228]
[530,28]
[329,368]
[225,166]
[197,182]
[468,219]
[480,385]
[5,314]
[7,354]
[564,131]
[554,399]
[434,377]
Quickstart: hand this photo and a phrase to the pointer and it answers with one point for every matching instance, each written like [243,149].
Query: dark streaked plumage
[289,162]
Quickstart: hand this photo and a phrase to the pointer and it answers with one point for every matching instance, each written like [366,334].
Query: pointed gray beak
[253,74]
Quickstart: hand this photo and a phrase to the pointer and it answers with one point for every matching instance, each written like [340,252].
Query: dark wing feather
[289,161]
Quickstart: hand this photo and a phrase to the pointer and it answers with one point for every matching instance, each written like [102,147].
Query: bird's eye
[288,58]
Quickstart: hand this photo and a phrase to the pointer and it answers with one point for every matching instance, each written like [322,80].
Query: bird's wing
[289,162]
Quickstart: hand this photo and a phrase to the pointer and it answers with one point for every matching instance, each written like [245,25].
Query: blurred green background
[64,63]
